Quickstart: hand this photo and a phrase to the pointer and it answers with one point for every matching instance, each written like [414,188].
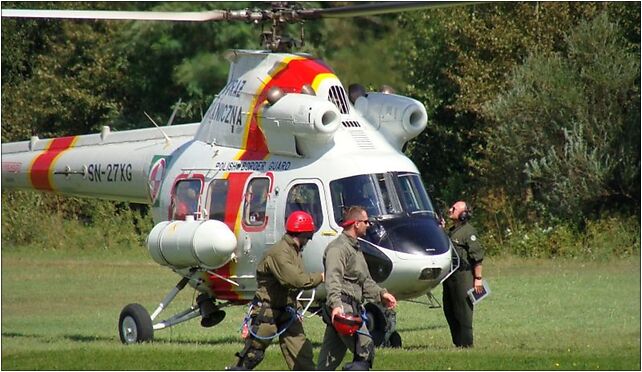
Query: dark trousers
[458,309]
[335,345]
[295,347]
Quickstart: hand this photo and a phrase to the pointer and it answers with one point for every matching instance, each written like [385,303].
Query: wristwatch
[478,278]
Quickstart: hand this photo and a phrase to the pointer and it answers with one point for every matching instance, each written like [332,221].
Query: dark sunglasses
[367,222]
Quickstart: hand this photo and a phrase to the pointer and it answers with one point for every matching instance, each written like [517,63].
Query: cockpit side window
[413,193]
[218,199]
[255,205]
[356,190]
[185,199]
[390,200]
[305,197]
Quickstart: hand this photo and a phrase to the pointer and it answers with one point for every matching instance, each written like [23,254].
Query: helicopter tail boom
[105,165]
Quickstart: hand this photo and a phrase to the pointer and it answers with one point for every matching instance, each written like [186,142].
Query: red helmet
[299,222]
[347,324]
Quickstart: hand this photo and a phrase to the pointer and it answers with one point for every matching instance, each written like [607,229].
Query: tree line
[534,107]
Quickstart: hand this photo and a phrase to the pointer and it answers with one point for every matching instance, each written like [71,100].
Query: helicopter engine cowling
[398,118]
[182,244]
[296,122]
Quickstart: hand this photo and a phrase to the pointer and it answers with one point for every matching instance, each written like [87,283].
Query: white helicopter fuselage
[338,163]
[282,135]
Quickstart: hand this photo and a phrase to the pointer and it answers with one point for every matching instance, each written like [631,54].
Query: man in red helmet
[280,275]
[348,286]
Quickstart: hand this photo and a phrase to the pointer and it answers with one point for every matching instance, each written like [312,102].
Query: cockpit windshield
[381,194]
[413,195]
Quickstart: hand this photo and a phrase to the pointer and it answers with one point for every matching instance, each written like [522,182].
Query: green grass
[60,312]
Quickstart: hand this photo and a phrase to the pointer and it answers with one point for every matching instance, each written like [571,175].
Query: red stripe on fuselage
[297,73]
[41,165]
[225,290]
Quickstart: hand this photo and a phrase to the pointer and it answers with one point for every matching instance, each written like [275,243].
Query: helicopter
[282,135]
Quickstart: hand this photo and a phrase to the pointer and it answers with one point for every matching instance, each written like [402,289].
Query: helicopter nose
[416,274]
[418,237]
[379,264]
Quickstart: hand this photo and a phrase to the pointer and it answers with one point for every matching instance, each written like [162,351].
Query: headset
[466,214]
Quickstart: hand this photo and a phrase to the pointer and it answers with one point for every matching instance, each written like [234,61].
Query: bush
[56,222]
[603,239]
[612,237]
[568,127]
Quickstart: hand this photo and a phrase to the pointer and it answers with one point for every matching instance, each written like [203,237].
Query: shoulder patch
[473,238]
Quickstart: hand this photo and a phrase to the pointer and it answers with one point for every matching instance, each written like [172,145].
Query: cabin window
[305,197]
[185,201]
[218,199]
[255,204]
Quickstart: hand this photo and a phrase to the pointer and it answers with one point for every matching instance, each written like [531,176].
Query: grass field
[60,312]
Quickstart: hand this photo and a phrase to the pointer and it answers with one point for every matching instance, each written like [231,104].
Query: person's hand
[335,311]
[442,223]
[322,277]
[479,285]
[389,300]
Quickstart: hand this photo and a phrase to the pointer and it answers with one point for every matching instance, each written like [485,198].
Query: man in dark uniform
[348,284]
[457,307]
[280,276]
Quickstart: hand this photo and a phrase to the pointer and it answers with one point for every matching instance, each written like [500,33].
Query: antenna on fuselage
[159,128]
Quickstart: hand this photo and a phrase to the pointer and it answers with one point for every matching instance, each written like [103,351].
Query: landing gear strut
[135,325]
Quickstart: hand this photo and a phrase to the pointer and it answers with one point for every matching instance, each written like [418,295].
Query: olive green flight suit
[280,276]
[457,307]
[348,284]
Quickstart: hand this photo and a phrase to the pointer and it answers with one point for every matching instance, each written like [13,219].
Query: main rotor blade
[212,15]
[375,8]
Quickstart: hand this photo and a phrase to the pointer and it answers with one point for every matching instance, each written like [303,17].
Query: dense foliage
[570,125]
[534,108]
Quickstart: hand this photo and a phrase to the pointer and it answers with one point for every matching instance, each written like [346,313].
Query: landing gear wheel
[395,340]
[135,325]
